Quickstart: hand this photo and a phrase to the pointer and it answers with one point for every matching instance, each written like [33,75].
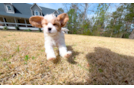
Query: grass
[95,60]
[18,49]
[5,59]
[33,58]
[26,58]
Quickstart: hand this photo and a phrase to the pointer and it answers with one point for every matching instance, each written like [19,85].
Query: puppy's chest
[55,42]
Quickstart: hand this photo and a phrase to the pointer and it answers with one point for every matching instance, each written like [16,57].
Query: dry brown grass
[95,60]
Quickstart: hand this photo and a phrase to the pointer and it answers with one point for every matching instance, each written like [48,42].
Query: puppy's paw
[51,58]
[68,54]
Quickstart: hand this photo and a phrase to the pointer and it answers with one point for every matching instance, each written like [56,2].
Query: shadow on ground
[74,53]
[71,59]
[108,68]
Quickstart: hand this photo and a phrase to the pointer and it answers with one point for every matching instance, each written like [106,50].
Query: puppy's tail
[64,29]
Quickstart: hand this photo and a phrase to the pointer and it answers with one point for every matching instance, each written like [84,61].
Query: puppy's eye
[45,23]
[54,24]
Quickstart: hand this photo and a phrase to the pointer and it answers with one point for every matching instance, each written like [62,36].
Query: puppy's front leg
[50,52]
[63,51]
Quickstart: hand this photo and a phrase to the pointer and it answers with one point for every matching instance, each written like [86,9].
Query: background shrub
[17,28]
[40,30]
[29,29]
[5,28]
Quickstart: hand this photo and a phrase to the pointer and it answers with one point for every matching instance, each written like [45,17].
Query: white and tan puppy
[54,36]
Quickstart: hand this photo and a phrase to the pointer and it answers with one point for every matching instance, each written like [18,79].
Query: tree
[121,21]
[99,25]
[78,23]
[60,9]
[104,23]
[72,23]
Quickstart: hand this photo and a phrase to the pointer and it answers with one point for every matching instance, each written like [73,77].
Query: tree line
[99,19]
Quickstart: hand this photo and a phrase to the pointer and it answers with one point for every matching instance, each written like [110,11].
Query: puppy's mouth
[50,32]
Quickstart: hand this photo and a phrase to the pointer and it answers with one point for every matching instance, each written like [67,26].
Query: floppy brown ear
[36,21]
[63,18]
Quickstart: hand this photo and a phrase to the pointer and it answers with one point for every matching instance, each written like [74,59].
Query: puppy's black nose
[49,29]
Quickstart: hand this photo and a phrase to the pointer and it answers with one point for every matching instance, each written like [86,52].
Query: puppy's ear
[63,18]
[36,21]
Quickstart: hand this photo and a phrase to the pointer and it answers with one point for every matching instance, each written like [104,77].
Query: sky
[90,14]
[50,5]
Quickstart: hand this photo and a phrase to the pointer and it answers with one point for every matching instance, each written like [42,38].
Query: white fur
[49,17]
[65,30]
[54,38]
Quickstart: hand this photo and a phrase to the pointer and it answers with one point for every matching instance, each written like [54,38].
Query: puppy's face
[49,23]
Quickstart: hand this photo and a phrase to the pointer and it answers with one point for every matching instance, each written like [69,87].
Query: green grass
[33,57]
[43,50]
[27,58]
[100,70]
[82,67]
[18,49]
[5,59]
[25,63]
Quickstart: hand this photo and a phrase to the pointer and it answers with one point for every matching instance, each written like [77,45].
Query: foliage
[72,23]
[29,30]
[5,28]
[104,23]
[17,28]
[40,30]
[61,10]
[87,32]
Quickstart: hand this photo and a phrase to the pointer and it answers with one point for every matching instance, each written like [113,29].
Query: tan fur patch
[57,24]
[44,22]
[36,21]
[63,18]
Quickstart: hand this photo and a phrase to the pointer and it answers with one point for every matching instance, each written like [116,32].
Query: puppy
[54,36]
